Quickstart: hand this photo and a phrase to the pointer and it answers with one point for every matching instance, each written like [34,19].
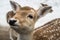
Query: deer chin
[15,27]
[19,29]
[23,31]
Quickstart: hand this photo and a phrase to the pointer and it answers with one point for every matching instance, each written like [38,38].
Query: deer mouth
[14,25]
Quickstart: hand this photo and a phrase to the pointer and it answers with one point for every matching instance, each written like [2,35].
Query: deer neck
[25,36]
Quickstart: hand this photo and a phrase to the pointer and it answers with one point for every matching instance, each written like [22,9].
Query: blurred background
[5,7]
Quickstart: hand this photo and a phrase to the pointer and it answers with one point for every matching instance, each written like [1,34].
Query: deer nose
[12,22]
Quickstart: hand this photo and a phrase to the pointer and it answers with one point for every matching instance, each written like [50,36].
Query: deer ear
[44,10]
[9,15]
[15,6]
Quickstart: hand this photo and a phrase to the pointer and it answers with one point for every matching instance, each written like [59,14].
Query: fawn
[22,20]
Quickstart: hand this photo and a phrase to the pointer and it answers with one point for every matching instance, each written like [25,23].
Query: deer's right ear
[9,15]
[15,6]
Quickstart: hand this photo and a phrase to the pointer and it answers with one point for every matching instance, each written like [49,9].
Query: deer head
[22,19]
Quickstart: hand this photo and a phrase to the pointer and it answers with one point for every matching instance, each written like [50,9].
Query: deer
[23,19]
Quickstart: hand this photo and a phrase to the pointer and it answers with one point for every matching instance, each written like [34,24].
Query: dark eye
[30,16]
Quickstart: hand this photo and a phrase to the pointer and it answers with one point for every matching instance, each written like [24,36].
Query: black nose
[12,22]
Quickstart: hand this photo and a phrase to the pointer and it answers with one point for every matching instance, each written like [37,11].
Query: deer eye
[30,16]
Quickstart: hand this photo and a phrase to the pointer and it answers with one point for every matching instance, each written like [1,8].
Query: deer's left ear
[44,10]
[15,6]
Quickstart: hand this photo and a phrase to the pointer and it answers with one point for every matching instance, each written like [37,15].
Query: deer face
[24,18]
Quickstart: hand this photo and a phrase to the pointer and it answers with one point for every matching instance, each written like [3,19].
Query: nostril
[12,22]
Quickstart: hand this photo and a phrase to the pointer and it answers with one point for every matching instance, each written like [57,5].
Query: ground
[4,34]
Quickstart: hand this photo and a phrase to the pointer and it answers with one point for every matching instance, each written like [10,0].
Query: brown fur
[49,31]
